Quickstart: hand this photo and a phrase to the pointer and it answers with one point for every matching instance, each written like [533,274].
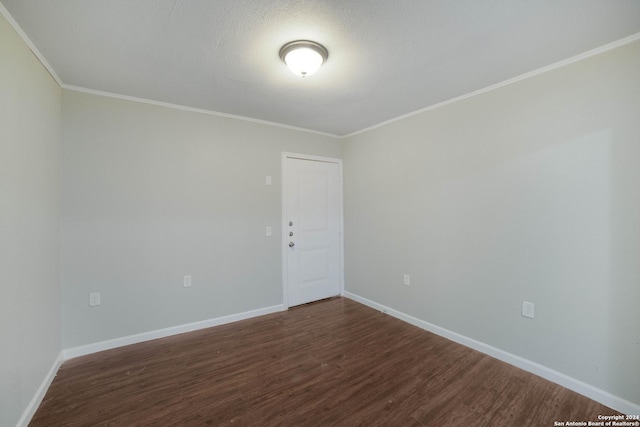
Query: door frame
[285,228]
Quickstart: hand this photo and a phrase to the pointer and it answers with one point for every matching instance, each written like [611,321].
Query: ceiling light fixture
[303,57]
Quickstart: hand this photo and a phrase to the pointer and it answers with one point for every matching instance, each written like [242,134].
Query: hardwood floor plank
[335,362]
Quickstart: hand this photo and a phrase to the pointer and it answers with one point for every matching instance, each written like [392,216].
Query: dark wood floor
[333,363]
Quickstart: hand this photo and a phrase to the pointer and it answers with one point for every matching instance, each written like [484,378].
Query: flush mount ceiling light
[303,57]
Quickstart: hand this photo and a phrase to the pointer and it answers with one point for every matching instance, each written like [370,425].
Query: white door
[312,229]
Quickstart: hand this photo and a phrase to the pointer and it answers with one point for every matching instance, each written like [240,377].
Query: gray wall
[30,143]
[528,192]
[151,194]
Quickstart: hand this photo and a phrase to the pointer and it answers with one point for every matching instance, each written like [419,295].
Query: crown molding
[588,54]
[193,110]
[593,52]
[4,12]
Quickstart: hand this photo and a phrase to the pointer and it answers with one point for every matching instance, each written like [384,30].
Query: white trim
[53,74]
[559,378]
[283,222]
[161,333]
[593,52]
[29,43]
[35,402]
[84,350]
[311,157]
[610,46]
[285,237]
[193,110]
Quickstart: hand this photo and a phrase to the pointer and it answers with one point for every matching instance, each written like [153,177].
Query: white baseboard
[84,350]
[587,390]
[32,407]
[131,339]
[594,393]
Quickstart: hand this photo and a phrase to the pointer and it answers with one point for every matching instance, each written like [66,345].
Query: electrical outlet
[94,299]
[186,281]
[528,309]
[407,280]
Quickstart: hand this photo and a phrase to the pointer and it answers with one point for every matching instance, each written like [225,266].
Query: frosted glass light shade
[303,57]
[303,61]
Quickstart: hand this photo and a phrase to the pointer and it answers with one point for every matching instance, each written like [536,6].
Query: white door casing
[312,228]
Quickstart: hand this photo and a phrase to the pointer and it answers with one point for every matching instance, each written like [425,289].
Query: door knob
[291,244]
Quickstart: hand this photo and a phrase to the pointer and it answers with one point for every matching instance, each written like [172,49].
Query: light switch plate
[528,309]
[186,281]
[94,299]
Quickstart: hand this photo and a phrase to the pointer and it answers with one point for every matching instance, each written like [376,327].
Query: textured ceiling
[386,58]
